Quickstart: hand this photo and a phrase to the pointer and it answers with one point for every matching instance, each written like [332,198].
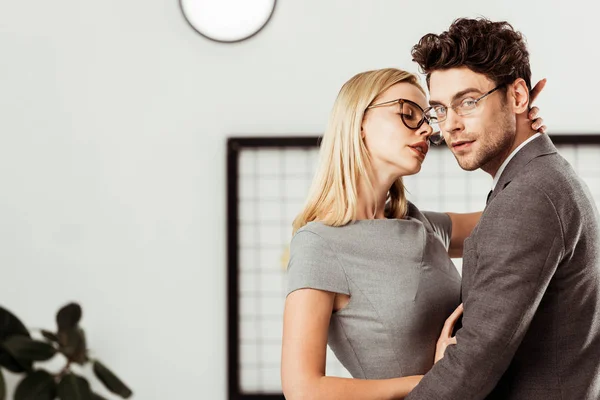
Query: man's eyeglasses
[465,107]
[413,117]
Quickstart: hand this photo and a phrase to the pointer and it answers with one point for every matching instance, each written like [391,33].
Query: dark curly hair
[493,49]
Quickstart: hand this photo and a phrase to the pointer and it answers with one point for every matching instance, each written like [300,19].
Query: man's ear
[519,96]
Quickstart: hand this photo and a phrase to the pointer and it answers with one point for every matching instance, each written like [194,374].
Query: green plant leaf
[10,363]
[26,349]
[68,317]
[73,387]
[10,325]
[73,345]
[38,385]
[110,380]
[50,336]
[2,387]
[95,396]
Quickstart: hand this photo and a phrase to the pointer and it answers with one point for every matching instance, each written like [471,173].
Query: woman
[369,273]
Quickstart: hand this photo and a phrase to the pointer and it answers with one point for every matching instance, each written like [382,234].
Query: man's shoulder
[538,185]
[538,194]
[550,175]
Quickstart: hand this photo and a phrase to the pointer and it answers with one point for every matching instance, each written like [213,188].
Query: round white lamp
[227,21]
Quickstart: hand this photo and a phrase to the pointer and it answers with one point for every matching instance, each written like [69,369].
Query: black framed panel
[248,282]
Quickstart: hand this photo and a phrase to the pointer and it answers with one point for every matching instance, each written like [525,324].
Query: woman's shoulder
[413,210]
[319,230]
[422,215]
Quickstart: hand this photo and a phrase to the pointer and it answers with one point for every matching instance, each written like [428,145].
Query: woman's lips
[418,152]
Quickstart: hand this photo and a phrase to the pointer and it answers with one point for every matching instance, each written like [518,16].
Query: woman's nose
[425,130]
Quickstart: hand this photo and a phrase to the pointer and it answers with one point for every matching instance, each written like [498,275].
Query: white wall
[113,121]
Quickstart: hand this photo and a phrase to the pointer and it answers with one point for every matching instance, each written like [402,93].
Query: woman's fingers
[536,90]
[533,113]
[451,321]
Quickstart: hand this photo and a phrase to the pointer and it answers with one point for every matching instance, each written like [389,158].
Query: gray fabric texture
[401,282]
[531,291]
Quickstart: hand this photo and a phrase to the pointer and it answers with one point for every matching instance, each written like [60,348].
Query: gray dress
[401,282]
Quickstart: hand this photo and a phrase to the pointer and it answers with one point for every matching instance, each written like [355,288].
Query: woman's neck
[368,200]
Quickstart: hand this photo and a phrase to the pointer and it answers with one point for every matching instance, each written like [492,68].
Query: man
[531,268]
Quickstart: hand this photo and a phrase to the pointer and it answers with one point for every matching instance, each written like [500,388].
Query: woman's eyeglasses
[413,117]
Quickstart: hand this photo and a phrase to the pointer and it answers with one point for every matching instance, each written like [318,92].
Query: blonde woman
[370,274]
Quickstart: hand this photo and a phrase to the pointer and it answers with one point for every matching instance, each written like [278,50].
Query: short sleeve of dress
[442,225]
[314,265]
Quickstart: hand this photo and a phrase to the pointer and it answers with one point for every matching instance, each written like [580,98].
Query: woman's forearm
[462,226]
[329,388]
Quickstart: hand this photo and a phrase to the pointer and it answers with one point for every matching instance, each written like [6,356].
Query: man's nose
[452,123]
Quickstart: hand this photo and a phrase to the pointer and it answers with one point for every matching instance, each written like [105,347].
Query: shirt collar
[505,163]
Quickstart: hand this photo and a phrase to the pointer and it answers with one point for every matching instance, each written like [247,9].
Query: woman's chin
[411,170]
[415,171]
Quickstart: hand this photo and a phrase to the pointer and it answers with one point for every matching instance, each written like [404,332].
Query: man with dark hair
[531,268]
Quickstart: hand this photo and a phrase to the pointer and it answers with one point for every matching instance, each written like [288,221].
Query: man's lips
[461,144]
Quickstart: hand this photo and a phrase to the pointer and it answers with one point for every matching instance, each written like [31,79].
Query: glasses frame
[435,138]
[457,109]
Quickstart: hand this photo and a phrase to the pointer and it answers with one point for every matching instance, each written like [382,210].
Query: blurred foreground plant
[19,351]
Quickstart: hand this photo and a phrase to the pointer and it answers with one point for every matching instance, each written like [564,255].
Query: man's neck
[494,165]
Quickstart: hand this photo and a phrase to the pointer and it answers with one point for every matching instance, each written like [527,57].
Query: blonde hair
[344,158]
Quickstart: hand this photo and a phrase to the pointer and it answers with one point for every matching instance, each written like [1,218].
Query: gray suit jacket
[531,291]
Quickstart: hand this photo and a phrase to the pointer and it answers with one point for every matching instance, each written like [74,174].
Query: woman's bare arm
[305,325]
[462,226]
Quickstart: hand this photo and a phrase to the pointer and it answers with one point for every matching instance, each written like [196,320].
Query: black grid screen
[268,180]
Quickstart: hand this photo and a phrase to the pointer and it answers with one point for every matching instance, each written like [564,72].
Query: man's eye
[468,103]
[440,111]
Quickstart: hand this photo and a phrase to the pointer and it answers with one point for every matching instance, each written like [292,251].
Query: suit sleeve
[519,244]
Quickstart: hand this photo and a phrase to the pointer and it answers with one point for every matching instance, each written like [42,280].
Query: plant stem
[64,371]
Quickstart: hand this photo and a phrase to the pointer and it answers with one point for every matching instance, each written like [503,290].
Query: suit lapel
[538,147]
